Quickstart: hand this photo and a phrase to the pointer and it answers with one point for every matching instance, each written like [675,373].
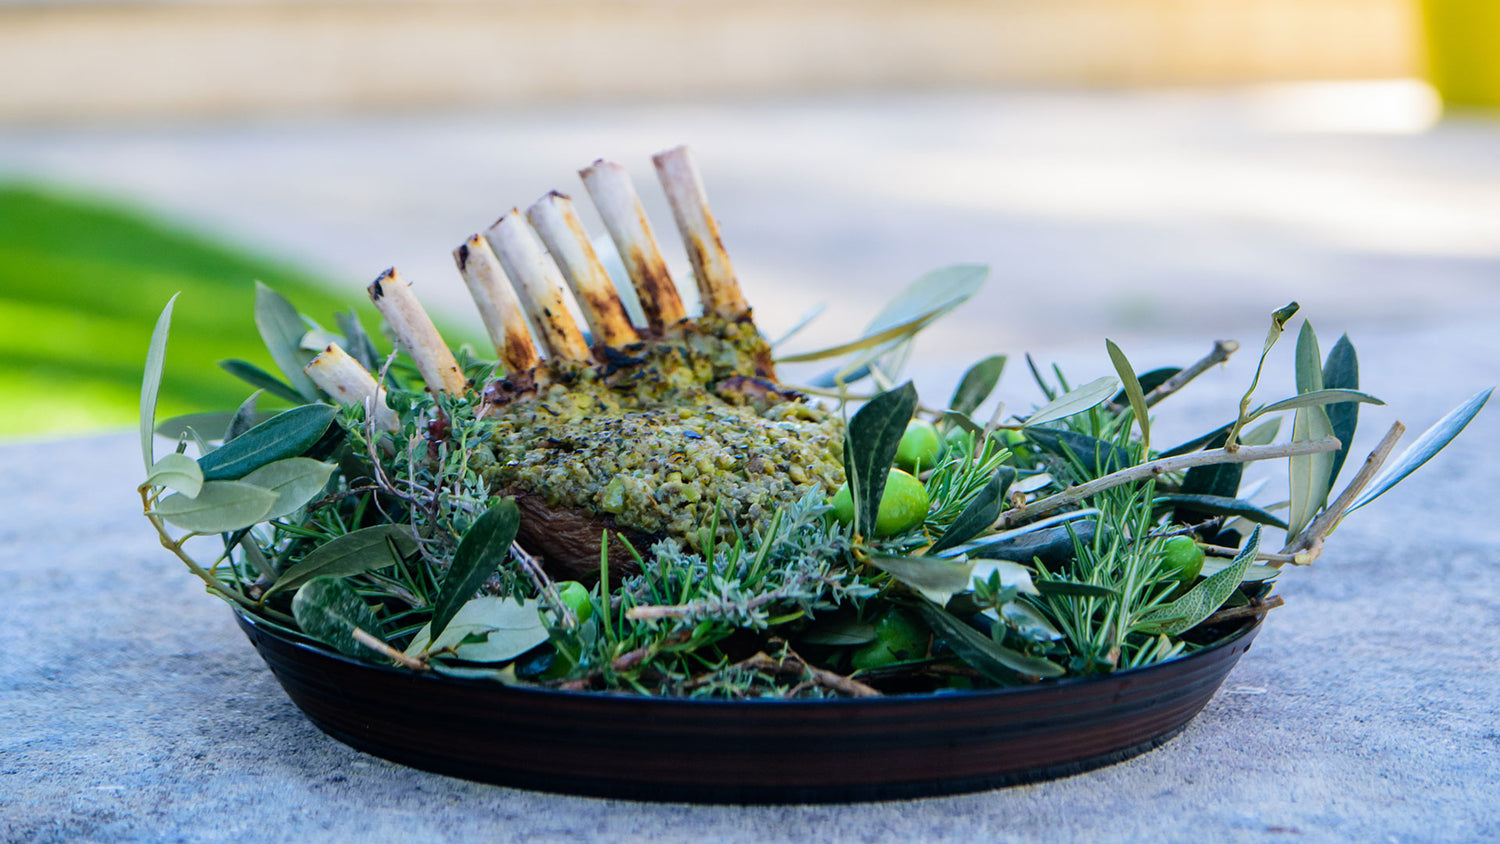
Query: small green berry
[919,448]
[1182,559]
[898,638]
[576,596]
[903,504]
[843,505]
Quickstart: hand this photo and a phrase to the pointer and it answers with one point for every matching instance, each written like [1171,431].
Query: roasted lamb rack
[635,432]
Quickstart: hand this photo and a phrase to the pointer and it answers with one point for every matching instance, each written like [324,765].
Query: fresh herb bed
[963,551]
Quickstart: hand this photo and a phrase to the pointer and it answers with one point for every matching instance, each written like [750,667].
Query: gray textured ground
[1368,710]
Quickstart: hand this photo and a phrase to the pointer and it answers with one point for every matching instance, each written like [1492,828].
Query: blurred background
[1164,172]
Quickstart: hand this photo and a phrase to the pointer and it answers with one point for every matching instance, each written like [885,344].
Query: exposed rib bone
[497,303]
[614,195]
[341,376]
[555,220]
[700,233]
[540,285]
[415,332]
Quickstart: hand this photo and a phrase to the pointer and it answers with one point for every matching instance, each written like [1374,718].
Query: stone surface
[132,709]
[1367,710]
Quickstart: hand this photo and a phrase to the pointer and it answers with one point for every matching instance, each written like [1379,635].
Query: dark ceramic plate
[745,751]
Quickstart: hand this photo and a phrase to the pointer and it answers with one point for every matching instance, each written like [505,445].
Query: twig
[375,644]
[794,664]
[1221,352]
[656,612]
[175,546]
[1156,468]
[1269,556]
[544,585]
[1252,608]
[1307,545]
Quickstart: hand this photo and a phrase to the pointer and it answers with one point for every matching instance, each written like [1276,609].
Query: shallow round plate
[759,751]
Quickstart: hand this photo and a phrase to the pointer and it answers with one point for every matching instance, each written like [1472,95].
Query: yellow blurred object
[1463,50]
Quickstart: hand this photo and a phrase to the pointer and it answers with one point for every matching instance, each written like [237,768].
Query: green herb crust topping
[670,430]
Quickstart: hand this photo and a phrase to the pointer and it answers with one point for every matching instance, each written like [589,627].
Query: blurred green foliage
[81,284]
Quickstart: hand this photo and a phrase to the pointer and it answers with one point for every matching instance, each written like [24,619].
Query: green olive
[920,446]
[576,596]
[903,504]
[1182,559]
[898,638]
[843,505]
[957,440]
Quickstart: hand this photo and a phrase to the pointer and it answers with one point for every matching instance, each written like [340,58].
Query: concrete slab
[1367,710]
[131,708]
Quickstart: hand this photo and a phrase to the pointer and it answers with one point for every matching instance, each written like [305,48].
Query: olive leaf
[1222,480]
[281,327]
[983,653]
[1341,372]
[1202,600]
[1087,397]
[218,507]
[176,427]
[1133,391]
[156,355]
[356,342]
[486,629]
[1432,441]
[1041,382]
[287,434]
[257,377]
[923,301]
[1218,505]
[1012,575]
[1095,455]
[256,557]
[295,480]
[1149,381]
[480,552]
[1279,320]
[935,578]
[178,472]
[802,322]
[953,419]
[870,444]
[1310,473]
[1316,398]
[1253,574]
[1027,621]
[1050,543]
[329,610]
[244,418]
[839,632]
[1074,589]
[979,514]
[366,549]
[976,385]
